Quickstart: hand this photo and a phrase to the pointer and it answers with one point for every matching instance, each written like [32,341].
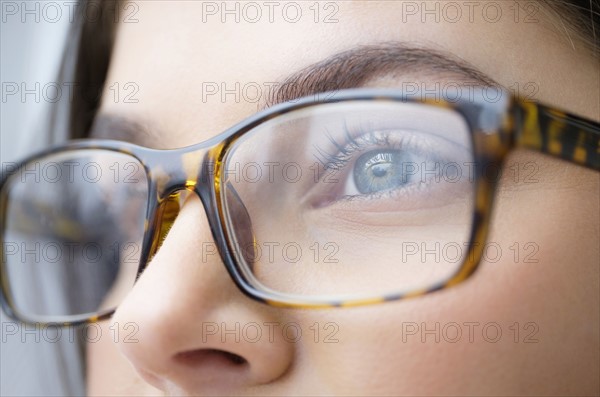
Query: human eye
[390,164]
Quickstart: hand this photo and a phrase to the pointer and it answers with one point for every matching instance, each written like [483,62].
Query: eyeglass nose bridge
[171,174]
[179,169]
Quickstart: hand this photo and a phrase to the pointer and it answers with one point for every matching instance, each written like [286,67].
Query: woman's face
[525,323]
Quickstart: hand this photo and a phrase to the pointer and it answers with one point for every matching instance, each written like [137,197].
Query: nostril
[234,358]
[201,357]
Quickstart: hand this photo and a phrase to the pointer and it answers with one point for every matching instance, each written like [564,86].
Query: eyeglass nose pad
[167,213]
[242,226]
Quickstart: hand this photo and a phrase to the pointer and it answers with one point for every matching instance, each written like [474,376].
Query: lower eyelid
[391,201]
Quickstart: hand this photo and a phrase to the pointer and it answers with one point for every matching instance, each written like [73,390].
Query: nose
[196,332]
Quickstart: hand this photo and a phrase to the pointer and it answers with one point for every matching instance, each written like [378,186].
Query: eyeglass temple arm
[557,133]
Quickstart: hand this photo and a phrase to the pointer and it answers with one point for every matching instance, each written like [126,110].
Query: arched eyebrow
[358,66]
[352,68]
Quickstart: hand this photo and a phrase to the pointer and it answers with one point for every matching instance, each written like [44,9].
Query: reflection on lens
[72,232]
[351,200]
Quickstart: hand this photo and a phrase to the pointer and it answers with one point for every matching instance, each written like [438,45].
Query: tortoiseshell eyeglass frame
[497,126]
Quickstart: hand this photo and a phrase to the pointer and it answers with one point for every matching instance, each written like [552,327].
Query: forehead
[193,69]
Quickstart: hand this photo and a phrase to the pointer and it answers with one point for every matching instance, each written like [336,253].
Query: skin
[169,53]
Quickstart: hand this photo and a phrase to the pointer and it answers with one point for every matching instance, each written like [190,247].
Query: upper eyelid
[348,148]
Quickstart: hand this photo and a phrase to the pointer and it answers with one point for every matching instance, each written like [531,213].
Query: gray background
[31,49]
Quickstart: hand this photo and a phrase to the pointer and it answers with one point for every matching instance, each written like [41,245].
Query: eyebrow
[359,66]
[353,68]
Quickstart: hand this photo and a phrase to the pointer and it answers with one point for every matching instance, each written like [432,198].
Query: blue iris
[380,170]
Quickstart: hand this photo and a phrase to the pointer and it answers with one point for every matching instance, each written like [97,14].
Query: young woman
[367,177]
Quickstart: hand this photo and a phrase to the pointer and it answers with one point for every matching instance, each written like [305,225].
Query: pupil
[380,170]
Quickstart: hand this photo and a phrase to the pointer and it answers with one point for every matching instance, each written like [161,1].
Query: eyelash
[355,140]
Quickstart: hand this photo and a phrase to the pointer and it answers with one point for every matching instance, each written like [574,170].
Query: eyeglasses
[357,197]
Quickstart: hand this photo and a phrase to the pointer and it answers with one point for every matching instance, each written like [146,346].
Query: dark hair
[92,52]
[580,18]
[91,57]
